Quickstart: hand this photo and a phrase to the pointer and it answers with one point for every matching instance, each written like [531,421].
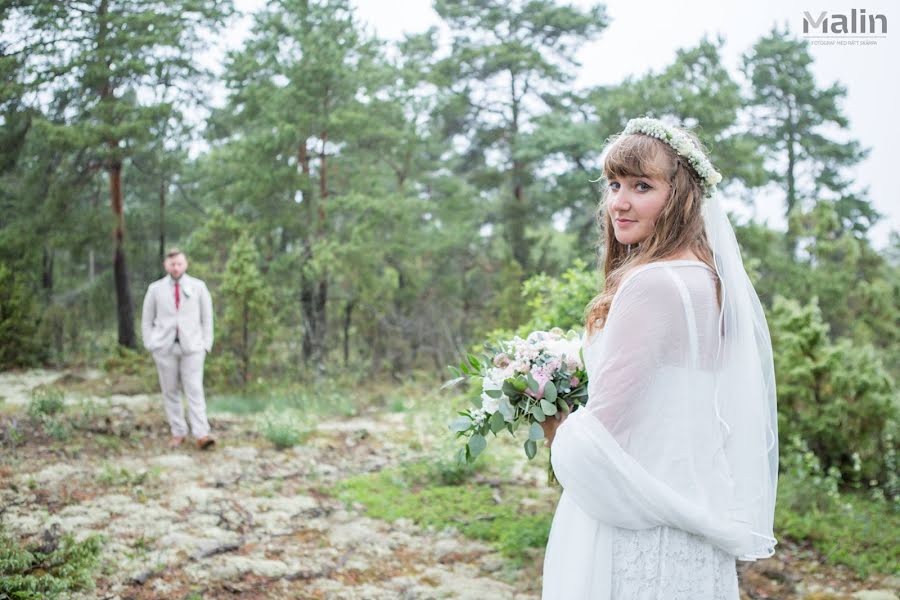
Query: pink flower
[573,382]
[542,378]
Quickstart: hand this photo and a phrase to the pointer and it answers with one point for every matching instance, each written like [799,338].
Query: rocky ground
[249,521]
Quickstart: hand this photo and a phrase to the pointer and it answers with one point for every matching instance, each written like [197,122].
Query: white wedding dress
[648,510]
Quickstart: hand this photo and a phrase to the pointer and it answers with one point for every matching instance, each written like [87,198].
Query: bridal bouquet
[522,383]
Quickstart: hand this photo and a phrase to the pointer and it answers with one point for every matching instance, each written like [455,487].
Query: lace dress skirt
[664,563]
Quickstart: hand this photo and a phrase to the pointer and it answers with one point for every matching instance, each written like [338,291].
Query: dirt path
[248,521]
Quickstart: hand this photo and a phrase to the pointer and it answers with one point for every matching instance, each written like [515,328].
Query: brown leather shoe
[205,442]
[176,441]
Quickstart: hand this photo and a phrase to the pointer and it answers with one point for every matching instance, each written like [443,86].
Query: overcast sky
[643,36]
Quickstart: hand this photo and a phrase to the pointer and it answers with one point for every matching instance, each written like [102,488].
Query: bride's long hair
[678,227]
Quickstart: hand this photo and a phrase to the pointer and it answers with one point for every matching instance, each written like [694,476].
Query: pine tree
[248,305]
[102,59]
[789,113]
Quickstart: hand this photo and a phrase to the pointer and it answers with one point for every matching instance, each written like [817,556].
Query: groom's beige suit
[179,338]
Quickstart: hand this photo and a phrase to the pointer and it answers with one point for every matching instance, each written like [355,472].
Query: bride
[669,472]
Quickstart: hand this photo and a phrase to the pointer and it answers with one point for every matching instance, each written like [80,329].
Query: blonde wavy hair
[678,227]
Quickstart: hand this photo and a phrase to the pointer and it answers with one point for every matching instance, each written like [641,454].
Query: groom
[177,327]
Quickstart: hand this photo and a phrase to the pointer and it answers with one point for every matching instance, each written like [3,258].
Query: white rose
[489,404]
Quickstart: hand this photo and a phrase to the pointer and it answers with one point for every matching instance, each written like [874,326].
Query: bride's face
[633,204]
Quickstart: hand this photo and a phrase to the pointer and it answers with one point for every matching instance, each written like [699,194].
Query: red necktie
[177,302]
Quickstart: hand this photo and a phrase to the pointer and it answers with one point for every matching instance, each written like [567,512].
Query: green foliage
[779,67]
[560,301]
[125,361]
[303,400]
[49,569]
[12,436]
[248,301]
[847,528]
[114,476]
[837,397]
[509,62]
[128,371]
[420,492]
[46,409]
[282,430]
[18,322]
[46,401]
[548,302]
[51,334]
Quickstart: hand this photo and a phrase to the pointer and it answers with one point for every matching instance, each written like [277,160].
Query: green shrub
[560,302]
[283,431]
[835,396]
[846,527]
[125,361]
[18,322]
[11,435]
[45,402]
[47,570]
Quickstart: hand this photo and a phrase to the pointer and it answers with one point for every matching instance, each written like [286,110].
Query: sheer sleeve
[644,331]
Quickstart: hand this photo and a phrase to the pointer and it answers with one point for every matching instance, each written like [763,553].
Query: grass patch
[438,495]
[855,528]
[114,476]
[849,529]
[312,402]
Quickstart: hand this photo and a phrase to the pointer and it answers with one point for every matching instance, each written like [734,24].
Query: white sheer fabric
[647,453]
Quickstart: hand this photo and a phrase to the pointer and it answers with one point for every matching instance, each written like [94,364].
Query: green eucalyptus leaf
[548,408]
[550,392]
[530,449]
[477,444]
[460,424]
[506,409]
[535,432]
[452,382]
[497,422]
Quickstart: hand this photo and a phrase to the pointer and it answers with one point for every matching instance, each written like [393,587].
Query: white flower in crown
[683,145]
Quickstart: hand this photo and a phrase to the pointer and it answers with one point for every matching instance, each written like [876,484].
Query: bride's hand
[550,425]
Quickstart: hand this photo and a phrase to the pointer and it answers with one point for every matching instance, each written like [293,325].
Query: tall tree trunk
[307,294]
[309,325]
[245,345]
[348,313]
[47,273]
[321,299]
[792,233]
[322,318]
[125,309]
[162,220]
[516,213]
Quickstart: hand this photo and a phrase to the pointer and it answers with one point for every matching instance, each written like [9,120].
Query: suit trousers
[173,365]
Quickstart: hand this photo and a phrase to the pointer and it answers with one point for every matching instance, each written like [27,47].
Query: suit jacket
[193,319]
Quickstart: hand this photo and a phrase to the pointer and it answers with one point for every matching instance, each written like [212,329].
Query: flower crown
[683,145]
